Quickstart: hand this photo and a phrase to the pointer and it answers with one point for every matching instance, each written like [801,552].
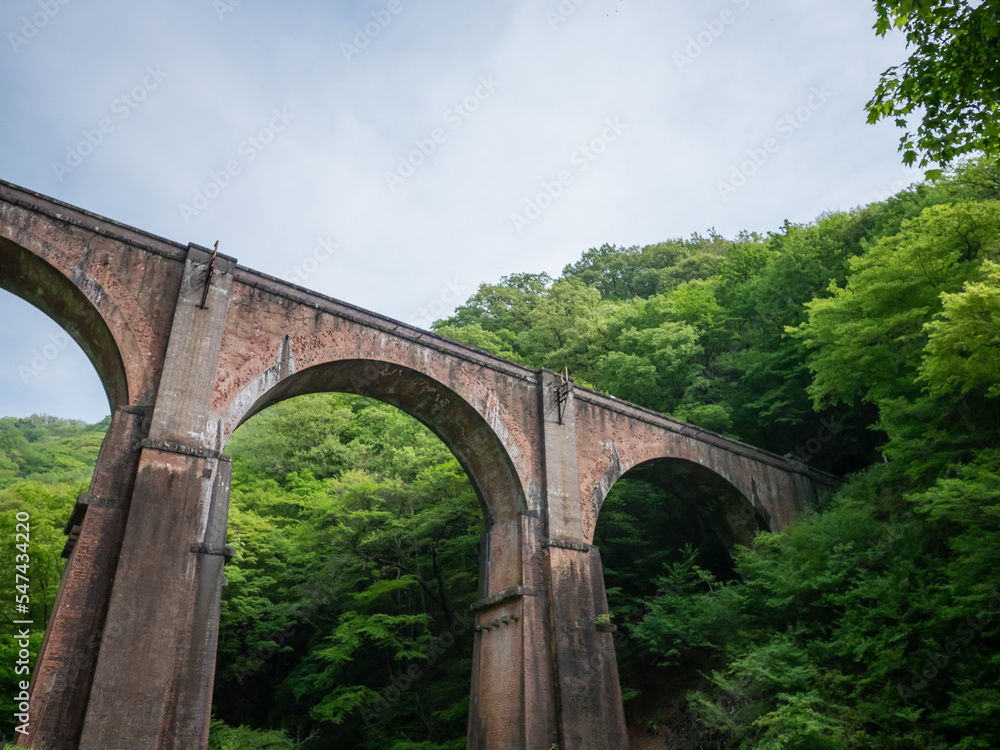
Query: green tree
[622,273]
[653,366]
[869,336]
[564,328]
[962,355]
[503,306]
[951,78]
[35,555]
[866,335]
[498,343]
[357,547]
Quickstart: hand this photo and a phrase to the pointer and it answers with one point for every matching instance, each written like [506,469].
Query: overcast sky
[396,154]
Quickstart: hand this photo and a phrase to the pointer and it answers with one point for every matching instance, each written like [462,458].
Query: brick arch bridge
[187,348]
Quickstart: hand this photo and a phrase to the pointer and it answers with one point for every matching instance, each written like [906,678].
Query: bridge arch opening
[658,508]
[382,536]
[458,570]
[459,425]
[719,505]
[38,283]
[667,530]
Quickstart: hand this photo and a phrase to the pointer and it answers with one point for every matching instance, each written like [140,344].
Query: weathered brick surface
[281,342]
[498,705]
[150,617]
[73,638]
[541,461]
[113,288]
[614,437]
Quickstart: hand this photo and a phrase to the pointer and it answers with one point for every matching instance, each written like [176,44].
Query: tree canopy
[950,81]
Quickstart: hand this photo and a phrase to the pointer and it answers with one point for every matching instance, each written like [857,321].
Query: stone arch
[732,516]
[454,420]
[78,305]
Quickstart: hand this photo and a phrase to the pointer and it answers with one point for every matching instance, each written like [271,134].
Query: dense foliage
[865,343]
[867,338]
[44,464]
[951,80]
[346,613]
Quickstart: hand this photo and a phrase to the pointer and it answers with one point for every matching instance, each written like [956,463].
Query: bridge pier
[512,702]
[543,673]
[152,687]
[153,683]
[68,656]
[591,715]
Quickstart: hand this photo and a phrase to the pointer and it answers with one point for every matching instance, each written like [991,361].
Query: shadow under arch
[724,510]
[27,276]
[450,417]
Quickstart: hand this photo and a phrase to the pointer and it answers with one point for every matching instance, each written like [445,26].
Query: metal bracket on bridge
[515,592]
[566,544]
[171,446]
[226,551]
[208,277]
[562,393]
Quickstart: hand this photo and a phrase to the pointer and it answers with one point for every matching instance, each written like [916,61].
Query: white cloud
[324,175]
